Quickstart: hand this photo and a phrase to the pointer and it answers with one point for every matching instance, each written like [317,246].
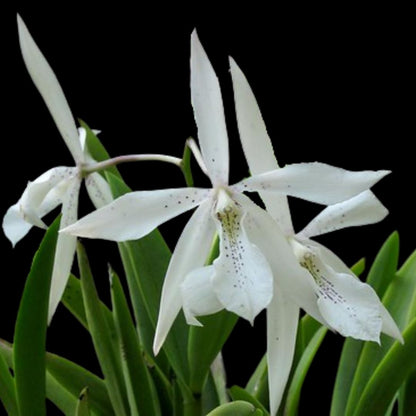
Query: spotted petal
[293,280]
[98,190]
[362,209]
[190,253]
[47,84]
[257,145]
[209,114]
[243,280]
[136,214]
[315,182]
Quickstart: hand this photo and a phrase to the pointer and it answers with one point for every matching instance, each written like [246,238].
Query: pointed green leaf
[82,406]
[72,300]
[205,343]
[394,368]
[186,166]
[238,393]
[296,383]
[379,277]
[407,401]
[74,378]
[146,261]
[258,385]
[7,388]
[398,300]
[239,407]
[142,394]
[30,331]
[108,358]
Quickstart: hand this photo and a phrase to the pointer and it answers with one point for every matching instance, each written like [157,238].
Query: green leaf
[205,343]
[101,334]
[72,300]
[238,393]
[30,331]
[186,166]
[73,378]
[239,407]
[394,368]
[7,388]
[82,406]
[142,395]
[258,385]
[407,401]
[379,277]
[296,383]
[145,262]
[398,300]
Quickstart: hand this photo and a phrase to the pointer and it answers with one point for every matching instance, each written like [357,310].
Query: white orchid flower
[344,303]
[240,279]
[57,186]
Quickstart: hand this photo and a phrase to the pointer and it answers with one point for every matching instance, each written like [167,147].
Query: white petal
[190,253]
[136,214]
[47,84]
[282,324]
[14,225]
[65,248]
[293,279]
[243,280]
[362,209]
[348,305]
[198,296]
[209,114]
[98,190]
[257,145]
[316,182]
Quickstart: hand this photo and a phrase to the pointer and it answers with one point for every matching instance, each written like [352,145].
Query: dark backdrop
[334,85]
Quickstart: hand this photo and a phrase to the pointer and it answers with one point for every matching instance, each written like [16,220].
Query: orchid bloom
[59,185]
[342,302]
[240,279]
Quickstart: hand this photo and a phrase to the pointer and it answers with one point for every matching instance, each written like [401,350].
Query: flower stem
[94,167]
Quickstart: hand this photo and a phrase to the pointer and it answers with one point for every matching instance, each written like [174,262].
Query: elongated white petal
[65,248]
[257,145]
[316,182]
[243,280]
[14,225]
[198,296]
[362,209]
[348,305]
[47,84]
[190,253]
[209,114]
[293,279]
[98,190]
[282,324]
[136,214]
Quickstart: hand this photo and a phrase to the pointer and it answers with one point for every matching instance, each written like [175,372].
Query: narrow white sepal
[209,114]
[190,253]
[315,182]
[136,214]
[47,84]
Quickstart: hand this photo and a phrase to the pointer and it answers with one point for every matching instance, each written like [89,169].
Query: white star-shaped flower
[330,292]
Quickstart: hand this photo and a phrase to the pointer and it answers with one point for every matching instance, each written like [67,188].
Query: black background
[335,84]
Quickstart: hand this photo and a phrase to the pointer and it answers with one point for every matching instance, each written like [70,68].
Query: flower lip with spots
[244,288]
